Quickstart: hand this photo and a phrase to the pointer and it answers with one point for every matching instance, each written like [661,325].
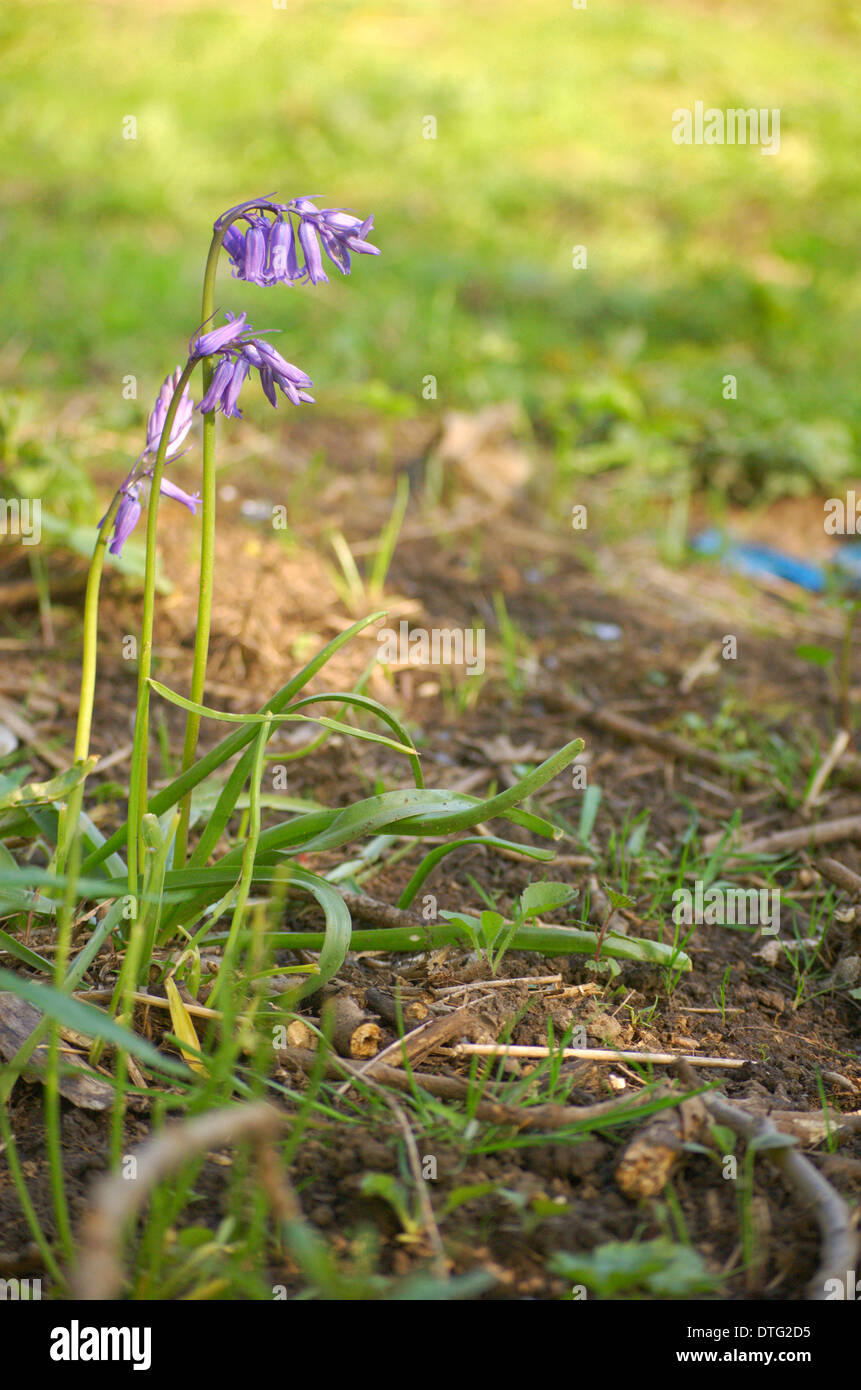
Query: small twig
[379,914]
[592,1054]
[826,767]
[497,984]
[801,837]
[140,996]
[838,873]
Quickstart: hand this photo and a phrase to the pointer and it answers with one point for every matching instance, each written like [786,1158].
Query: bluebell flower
[130,508]
[219,386]
[266,254]
[283,263]
[192,500]
[205,344]
[127,517]
[311,250]
[181,420]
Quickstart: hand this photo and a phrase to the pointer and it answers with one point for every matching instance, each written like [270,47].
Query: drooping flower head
[181,420]
[130,508]
[238,349]
[127,517]
[128,513]
[267,252]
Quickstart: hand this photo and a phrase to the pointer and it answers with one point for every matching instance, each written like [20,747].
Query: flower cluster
[268,251]
[238,351]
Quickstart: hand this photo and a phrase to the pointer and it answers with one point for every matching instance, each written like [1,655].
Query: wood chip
[85,1088]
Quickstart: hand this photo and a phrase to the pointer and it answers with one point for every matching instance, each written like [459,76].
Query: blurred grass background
[553,130]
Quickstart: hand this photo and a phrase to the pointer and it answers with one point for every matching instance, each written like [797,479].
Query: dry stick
[501,984]
[826,767]
[390,1007]
[99,1273]
[16,593]
[838,873]
[59,759]
[353,1033]
[380,914]
[845,828]
[655,1151]
[421,1041]
[549,1116]
[140,996]
[833,1216]
[593,1054]
[635,732]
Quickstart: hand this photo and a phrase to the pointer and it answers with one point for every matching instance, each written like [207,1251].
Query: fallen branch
[353,1033]
[833,1216]
[380,914]
[390,1008]
[636,732]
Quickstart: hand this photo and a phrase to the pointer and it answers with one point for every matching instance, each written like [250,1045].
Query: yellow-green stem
[70,813]
[138,777]
[207,558]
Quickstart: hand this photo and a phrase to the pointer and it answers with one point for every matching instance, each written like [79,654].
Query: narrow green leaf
[74,1013]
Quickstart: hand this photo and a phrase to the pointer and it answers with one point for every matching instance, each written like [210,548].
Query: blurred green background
[553,130]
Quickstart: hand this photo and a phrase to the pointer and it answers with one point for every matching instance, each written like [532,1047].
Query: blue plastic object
[765,561]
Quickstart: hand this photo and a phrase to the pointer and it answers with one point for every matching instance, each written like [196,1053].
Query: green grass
[553,130]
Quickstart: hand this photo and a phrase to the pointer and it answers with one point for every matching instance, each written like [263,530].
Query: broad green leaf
[618,899]
[544,897]
[339,928]
[206,712]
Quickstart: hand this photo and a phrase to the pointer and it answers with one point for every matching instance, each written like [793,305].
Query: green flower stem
[138,778]
[70,813]
[207,556]
[548,941]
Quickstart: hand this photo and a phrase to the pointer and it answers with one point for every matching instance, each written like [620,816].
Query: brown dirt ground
[276,603]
